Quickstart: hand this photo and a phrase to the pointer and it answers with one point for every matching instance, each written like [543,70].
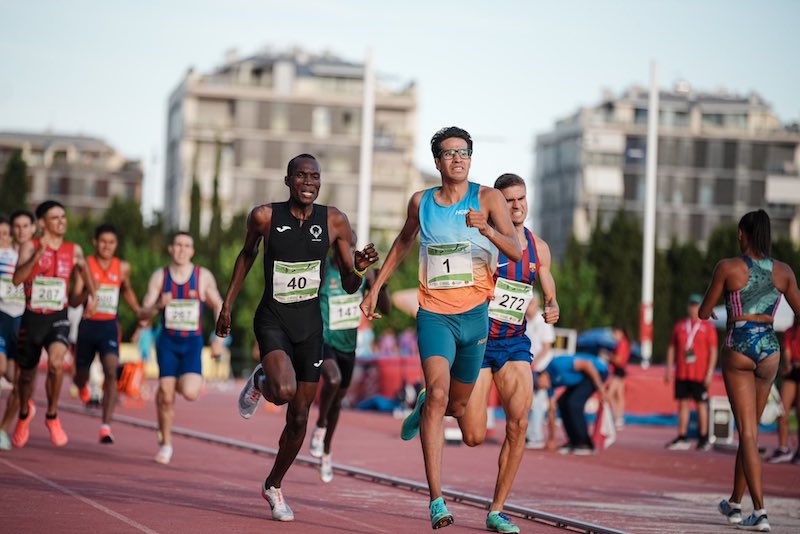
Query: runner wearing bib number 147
[461,225]
[340,319]
[180,291]
[288,326]
[507,361]
[46,266]
[99,333]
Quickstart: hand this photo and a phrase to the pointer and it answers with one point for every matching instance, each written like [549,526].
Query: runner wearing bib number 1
[288,326]
[461,225]
[180,291]
[46,267]
[99,333]
[507,361]
[340,319]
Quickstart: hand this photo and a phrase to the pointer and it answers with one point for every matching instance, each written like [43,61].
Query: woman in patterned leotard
[752,284]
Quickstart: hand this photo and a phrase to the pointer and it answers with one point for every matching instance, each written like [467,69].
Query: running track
[635,486]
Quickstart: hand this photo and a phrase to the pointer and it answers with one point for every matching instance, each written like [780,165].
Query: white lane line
[55,485]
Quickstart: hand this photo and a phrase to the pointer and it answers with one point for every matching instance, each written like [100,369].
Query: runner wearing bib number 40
[288,326]
[461,225]
[180,291]
[507,361]
[46,266]
[340,319]
[99,333]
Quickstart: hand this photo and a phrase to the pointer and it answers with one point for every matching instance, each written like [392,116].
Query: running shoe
[703,444]
[274,496]
[679,444]
[5,441]
[500,522]
[22,430]
[440,517]
[583,450]
[565,449]
[755,522]
[732,511]
[164,455]
[796,457]
[57,435]
[250,395]
[780,455]
[105,434]
[317,446]
[535,445]
[326,468]
[411,423]
[84,394]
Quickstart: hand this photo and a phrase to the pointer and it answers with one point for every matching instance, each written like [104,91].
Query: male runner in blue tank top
[288,321]
[507,361]
[461,225]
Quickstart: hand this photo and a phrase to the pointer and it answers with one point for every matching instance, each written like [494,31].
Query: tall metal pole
[365,160]
[648,254]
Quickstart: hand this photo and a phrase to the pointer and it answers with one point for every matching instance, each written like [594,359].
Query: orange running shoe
[23,429]
[57,435]
[85,394]
[105,434]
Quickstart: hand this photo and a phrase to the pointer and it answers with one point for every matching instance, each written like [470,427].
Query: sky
[503,70]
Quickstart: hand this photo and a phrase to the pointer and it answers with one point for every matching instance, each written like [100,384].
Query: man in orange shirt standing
[693,352]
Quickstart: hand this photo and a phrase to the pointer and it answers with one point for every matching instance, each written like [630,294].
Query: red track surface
[635,486]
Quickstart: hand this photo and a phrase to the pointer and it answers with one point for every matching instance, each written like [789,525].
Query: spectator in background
[691,359]
[582,375]
[542,336]
[407,342]
[790,394]
[616,386]
[387,343]
[145,339]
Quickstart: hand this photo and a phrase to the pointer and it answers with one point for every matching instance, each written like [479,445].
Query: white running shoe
[780,455]
[732,512]
[317,446]
[326,468]
[280,510]
[250,395]
[757,523]
[5,441]
[164,455]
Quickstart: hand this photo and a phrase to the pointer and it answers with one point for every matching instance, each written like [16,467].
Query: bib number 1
[450,265]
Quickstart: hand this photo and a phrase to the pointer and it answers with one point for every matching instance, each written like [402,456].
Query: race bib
[510,301]
[10,293]
[295,281]
[48,293]
[343,312]
[182,314]
[450,265]
[107,299]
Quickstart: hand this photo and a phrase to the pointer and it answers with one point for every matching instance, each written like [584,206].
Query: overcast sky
[502,70]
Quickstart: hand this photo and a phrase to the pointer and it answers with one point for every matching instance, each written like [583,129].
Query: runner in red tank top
[46,266]
[99,332]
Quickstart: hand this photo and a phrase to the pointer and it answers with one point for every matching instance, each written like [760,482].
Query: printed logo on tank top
[462,212]
[316,231]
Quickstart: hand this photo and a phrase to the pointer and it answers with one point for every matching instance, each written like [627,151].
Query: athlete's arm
[587,367]
[212,297]
[501,230]
[384,302]
[78,296]
[714,291]
[29,255]
[402,244]
[149,303]
[346,259]
[712,364]
[550,311]
[127,290]
[82,269]
[259,222]
[787,284]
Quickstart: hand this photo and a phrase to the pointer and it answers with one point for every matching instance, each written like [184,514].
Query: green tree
[215,229]
[722,243]
[194,200]
[14,190]
[580,302]
[785,250]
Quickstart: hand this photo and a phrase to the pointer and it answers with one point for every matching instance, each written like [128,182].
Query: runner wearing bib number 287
[99,333]
[507,361]
[46,266]
[288,326]
[180,291]
[462,225]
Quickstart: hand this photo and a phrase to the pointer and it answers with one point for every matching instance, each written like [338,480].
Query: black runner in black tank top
[289,241]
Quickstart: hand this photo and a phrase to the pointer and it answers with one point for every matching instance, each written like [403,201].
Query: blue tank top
[759,296]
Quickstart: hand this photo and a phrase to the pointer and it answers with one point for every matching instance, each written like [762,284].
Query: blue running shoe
[755,522]
[731,511]
[411,423]
[500,522]
[440,517]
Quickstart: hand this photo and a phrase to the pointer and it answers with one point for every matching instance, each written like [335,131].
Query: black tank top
[300,252]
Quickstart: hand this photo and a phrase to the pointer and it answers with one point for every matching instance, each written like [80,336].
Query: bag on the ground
[605,432]
[129,380]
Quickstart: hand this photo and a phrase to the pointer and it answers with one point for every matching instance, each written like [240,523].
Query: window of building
[724,191]
[700,153]
[714,120]
[321,122]
[640,116]
[757,191]
[758,157]
[705,194]
[279,119]
[729,155]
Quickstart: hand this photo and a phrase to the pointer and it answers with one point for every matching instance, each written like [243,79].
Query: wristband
[358,273]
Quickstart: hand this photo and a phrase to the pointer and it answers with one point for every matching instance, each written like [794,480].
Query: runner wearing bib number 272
[180,291]
[507,361]
[99,333]
[461,225]
[46,267]
[297,235]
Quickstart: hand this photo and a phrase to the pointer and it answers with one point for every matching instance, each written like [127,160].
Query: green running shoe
[500,522]
[411,423]
[440,517]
